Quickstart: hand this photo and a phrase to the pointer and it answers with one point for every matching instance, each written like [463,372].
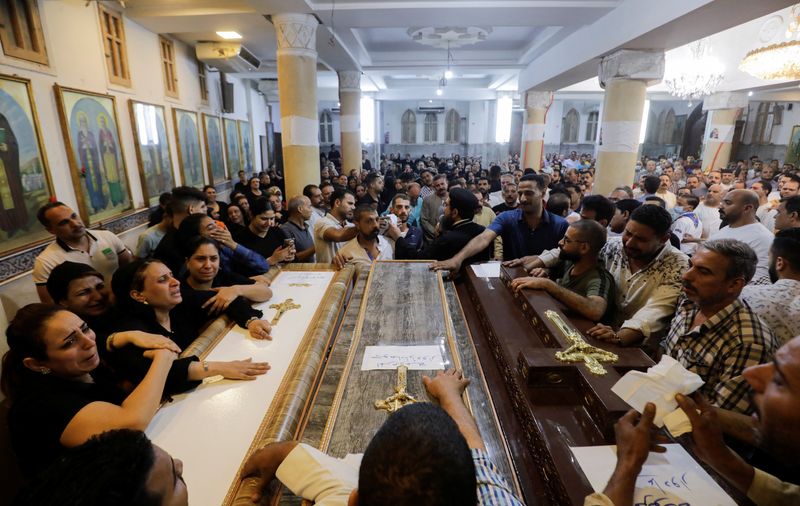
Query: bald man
[739,208]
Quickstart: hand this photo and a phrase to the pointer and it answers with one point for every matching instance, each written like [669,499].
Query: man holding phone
[298,231]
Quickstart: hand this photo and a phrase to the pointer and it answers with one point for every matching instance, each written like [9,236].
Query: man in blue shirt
[527,230]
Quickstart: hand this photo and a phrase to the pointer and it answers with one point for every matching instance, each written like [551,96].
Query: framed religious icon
[187,135]
[245,135]
[232,147]
[90,127]
[793,149]
[25,183]
[152,150]
[212,131]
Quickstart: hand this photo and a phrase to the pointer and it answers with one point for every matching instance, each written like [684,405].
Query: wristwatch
[205,365]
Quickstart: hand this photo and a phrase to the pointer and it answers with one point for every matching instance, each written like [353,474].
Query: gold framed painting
[152,150]
[187,135]
[232,147]
[215,157]
[25,183]
[246,138]
[90,127]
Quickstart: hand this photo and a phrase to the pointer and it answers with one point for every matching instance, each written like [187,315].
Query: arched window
[591,126]
[668,132]
[762,130]
[431,127]
[409,125]
[569,128]
[452,127]
[659,133]
[325,128]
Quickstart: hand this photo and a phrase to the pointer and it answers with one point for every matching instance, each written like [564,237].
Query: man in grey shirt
[300,211]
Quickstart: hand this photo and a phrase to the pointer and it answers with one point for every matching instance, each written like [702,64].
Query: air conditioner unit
[336,110]
[227,56]
[433,106]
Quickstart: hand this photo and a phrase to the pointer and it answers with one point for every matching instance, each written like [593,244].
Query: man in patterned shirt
[715,333]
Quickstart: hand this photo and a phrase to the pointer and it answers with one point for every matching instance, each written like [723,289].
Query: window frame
[202,78]
[326,127]
[452,127]
[35,32]
[115,46]
[169,69]
[408,133]
[592,122]
[431,128]
[566,127]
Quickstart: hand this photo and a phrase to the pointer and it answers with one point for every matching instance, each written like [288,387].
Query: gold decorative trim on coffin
[287,410]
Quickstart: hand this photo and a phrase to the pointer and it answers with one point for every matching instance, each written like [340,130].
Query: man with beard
[738,208]
[528,230]
[458,229]
[333,230]
[368,245]
[585,286]
[411,235]
[775,389]
[510,201]
[778,304]
[715,333]
[432,207]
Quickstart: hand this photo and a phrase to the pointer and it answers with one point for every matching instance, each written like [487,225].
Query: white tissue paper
[659,385]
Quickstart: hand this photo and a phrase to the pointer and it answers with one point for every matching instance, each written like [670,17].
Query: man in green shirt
[584,285]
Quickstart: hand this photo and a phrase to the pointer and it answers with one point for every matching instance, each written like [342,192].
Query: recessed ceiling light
[448,74]
[439,92]
[229,35]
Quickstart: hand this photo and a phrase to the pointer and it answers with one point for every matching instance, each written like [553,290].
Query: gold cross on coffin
[400,397]
[580,350]
[282,308]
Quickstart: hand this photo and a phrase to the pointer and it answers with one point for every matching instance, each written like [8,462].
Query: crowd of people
[704,267]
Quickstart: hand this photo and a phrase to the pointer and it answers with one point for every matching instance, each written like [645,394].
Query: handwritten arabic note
[666,478]
[487,270]
[416,358]
[315,278]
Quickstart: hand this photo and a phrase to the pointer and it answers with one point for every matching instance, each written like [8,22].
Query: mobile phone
[288,243]
[220,224]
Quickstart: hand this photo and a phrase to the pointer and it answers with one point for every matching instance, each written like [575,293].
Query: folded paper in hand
[659,385]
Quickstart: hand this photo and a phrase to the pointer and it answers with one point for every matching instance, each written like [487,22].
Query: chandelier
[698,76]
[777,61]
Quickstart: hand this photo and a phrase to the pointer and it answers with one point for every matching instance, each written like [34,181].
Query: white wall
[392,114]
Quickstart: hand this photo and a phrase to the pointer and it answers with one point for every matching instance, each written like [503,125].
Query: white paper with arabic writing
[487,270]
[416,358]
[673,477]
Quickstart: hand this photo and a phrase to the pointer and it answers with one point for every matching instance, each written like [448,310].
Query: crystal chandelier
[698,76]
[777,61]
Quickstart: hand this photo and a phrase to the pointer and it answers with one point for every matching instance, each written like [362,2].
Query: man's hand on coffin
[533,283]
[264,463]
[446,386]
[452,265]
[260,329]
[529,263]
[239,369]
[603,333]
[340,260]
[220,302]
[635,439]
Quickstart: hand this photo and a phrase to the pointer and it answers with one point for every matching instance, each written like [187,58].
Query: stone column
[297,90]
[724,109]
[350,119]
[625,75]
[536,105]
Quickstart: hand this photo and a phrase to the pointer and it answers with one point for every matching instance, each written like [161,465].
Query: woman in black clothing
[60,395]
[151,300]
[234,219]
[217,210]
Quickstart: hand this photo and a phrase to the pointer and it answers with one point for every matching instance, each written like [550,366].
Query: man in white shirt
[314,194]
[708,211]
[664,193]
[778,304]
[738,208]
[368,245]
[765,212]
[333,230]
[101,249]
[571,162]
[687,223]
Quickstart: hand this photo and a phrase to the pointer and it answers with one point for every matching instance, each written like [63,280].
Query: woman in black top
[150,299]
[60,395]
[216,209]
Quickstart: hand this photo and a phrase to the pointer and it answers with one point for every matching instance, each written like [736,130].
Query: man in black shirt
[264,237]
[510,200]
[374,185]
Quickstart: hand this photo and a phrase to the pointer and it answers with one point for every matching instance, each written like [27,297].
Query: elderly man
[778,304]
[774,388]
[714,333]
[584,286]
[528,230]
[298,227]
[739,210]
[101,249]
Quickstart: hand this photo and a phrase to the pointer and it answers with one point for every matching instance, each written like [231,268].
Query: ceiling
[541,44]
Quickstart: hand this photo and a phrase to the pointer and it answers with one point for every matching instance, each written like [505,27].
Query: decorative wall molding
[21,262]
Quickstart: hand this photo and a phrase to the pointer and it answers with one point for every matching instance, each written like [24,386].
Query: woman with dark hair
[234,219]
[217,210]
[203,273]
[253,192]
[352,182]
[233,256]
[150,299]
[60,394]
